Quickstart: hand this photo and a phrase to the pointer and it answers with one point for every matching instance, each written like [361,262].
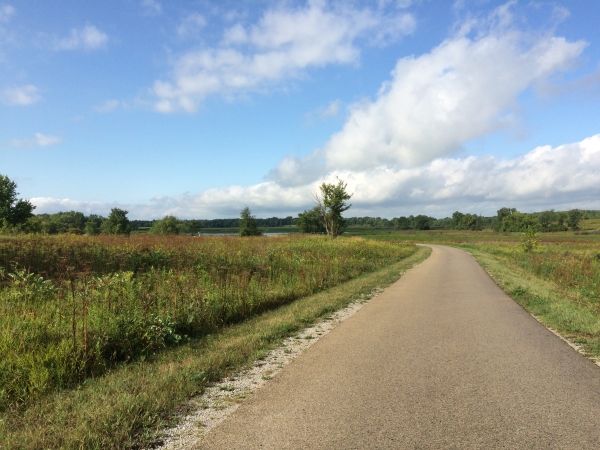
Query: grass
[558,282]
[127,406]
[79,321]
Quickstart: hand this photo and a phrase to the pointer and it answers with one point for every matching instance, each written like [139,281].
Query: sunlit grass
[74,307]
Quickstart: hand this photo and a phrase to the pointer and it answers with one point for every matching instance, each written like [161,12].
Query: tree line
[16,215]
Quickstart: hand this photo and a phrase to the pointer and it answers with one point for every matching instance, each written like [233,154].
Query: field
[78,315]
[104,338]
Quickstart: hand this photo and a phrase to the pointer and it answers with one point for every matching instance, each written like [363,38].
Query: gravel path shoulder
[223,398]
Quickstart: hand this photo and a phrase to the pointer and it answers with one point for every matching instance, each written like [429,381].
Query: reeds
[73,307]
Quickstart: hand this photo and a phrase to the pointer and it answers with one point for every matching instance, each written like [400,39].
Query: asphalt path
[442,359]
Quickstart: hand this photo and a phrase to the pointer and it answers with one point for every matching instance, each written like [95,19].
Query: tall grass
[73,307]
[572,266]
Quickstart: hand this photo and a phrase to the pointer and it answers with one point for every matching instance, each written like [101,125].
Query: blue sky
[198,108]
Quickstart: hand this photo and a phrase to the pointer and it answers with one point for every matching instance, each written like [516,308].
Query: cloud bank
[560,177]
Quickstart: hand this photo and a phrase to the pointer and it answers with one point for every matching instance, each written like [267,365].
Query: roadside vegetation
[553,275]
[84,316]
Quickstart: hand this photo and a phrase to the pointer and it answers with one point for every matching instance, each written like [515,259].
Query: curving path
[442,359]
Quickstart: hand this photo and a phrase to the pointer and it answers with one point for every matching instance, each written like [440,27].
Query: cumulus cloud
[562,177]
[39,140]
[22,95]
[49,205]
[465,88]
[86,38]
[283,44]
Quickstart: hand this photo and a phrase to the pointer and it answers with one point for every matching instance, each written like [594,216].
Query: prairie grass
[72,308]
[558,282]
[127,406]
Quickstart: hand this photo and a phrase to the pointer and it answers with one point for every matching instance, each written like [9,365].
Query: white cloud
[22,95]
[562,177]
[39,140]
[49,205]
[86,38]
[191,25]
[107,106]
[283,44]
[6,12]
[151,7]
[463,89]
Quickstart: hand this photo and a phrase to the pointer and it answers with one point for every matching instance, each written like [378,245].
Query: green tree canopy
[169,225]
[117,223]
[13,211]
[574,216]
[331,204]
[421,222]
[310,221]
[248,226]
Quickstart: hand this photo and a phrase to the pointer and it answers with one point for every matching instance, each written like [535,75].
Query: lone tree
[117,223]
[169,225]
[12,211]
[330,206]
[248,226]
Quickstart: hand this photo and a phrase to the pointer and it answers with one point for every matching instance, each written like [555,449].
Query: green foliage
[248,226]
[529,240]
[75,322]
[117,223]
[421,222]
[574,216]
[462,221]
[169,225]
[13,211]
[93,225]
[310,222]
[330,206]
[502,213]
[517,222]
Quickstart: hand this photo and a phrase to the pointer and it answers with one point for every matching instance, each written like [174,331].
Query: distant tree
[457,218]
[421,222]
[517,221]
[13,211]
[310,221]
[561,219]
[331,203]
[117,223]
[403,223]
[169,225]
[501,214]
[248,226]
[92,225]
[574,216]
[546,218]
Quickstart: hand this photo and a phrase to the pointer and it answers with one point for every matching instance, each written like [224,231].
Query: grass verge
[559,309]
[128,407]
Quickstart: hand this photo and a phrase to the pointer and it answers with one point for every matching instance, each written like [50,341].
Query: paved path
[442,359]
